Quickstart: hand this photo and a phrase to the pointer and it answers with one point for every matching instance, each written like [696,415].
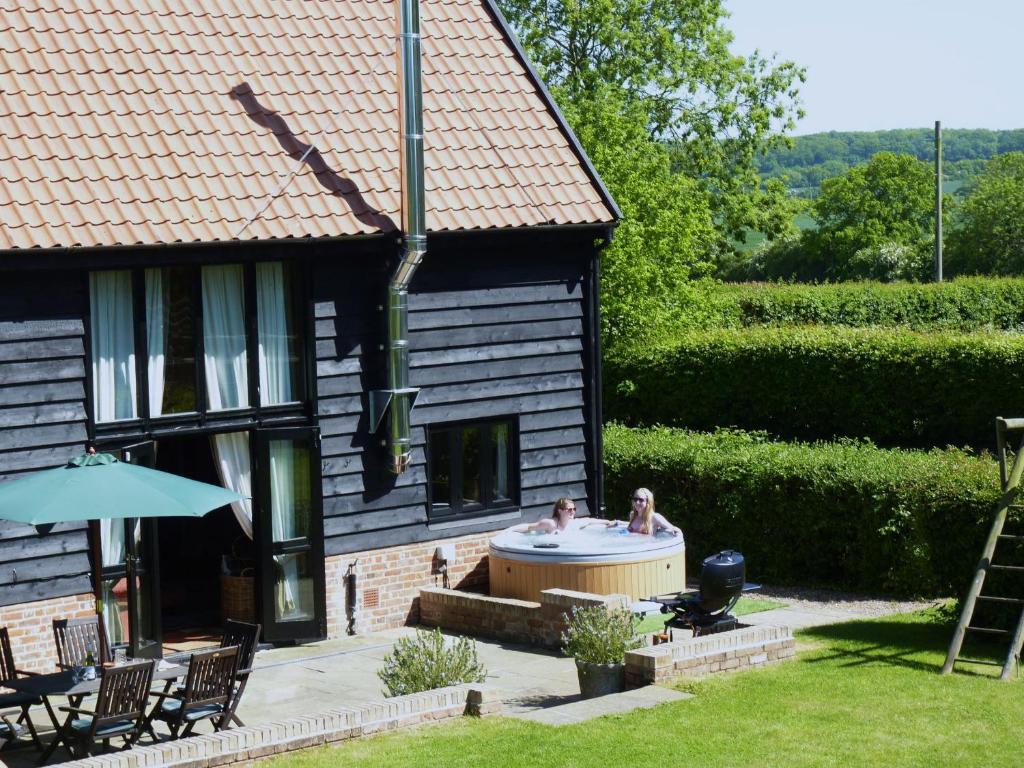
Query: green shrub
[895,387]
[964,304]
[596,635]
[844,514]
[426,662]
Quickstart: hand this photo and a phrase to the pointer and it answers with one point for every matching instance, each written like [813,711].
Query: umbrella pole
[97,584]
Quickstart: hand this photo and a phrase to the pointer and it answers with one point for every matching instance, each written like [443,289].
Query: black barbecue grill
[706,611]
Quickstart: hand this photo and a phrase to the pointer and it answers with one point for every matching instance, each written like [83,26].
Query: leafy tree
[667,235]
[671,60]
[883,204]
[990,238]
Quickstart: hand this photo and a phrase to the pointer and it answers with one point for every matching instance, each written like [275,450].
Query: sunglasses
[568,509]
[639,498]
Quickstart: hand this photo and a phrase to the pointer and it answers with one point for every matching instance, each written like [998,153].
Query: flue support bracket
[380,399]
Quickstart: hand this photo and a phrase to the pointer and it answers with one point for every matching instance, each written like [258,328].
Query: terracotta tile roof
[142,121]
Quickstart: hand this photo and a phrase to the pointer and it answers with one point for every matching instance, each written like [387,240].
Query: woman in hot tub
[562,520]
[643,518]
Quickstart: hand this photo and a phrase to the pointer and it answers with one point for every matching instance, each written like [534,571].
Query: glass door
[129,577]
[289,534]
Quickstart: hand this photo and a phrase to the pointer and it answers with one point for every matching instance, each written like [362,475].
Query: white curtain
[112,553]
[234,469]
[225,361]
[113,345]
[274,341]
[282,524]
[156,339]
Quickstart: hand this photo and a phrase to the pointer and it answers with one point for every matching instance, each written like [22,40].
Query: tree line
[691,139]
[876,221]
[815,157]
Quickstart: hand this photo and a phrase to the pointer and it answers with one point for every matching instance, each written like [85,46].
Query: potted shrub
[598,638]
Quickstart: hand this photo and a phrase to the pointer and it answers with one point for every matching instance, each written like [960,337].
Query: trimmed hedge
[965,304]
[846,514]
[893,387]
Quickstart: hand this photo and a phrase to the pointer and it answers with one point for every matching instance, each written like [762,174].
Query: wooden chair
[120,710]
[74,638]
[247,638]
[11,728]
[206,695]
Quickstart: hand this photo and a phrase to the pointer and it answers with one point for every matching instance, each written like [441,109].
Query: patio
[530,684]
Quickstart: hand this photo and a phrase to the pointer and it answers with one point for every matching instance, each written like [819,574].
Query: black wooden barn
[200,214]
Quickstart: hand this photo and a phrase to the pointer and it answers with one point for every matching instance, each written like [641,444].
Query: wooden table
[64,684]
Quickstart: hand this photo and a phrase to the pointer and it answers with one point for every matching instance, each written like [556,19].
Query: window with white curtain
[170,341]
[112,339]
[248,353]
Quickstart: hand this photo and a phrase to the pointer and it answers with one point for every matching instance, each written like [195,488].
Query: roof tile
[145,121]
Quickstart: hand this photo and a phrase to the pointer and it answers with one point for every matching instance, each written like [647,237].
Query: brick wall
[505,618]
[389,581]
[31,628]
[701,656]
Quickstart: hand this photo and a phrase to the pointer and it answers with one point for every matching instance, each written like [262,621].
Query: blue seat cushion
[81,726]
[171,707]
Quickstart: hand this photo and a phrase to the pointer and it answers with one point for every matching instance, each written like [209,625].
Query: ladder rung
[979,660]
[989,630]
[995,567]
[997,599]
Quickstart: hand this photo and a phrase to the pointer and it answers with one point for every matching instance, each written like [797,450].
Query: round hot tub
[599,560]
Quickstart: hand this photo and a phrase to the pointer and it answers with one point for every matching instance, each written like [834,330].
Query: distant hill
[819,156]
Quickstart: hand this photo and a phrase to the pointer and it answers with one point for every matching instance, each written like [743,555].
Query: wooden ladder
[1011,484]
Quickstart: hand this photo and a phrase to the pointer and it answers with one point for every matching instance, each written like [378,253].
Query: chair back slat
[123,692]
[246,637]
[7,669]
[74,637]
[210,677]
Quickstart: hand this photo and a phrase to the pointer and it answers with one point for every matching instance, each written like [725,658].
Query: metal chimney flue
[398,399]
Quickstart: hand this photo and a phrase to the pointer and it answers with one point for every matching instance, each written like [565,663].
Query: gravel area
[841,602]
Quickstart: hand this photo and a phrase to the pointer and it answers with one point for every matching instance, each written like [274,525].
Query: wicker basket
[238,598]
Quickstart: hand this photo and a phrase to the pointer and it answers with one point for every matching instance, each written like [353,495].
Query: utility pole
[938,201]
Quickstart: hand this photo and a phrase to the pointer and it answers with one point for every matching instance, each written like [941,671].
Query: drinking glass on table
[120,656]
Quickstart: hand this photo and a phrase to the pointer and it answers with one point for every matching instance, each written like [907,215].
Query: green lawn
[865,693]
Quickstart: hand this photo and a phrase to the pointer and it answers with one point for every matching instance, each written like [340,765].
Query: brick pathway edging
[243,746]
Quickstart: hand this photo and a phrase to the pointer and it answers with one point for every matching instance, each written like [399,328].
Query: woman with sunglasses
[562,516]
[643,518]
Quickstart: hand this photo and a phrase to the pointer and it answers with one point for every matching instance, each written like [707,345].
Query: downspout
[596,376]
[397,400]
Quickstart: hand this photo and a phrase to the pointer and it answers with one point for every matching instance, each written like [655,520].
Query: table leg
[60,729]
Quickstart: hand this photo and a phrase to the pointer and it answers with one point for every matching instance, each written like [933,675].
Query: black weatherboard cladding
[42,423]
[497,327]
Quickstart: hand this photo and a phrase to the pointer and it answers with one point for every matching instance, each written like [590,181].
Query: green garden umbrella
[99,486]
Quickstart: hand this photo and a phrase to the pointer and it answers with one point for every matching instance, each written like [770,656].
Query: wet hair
[648,523]
[562,503]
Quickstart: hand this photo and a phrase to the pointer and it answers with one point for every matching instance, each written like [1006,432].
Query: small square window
[474,467]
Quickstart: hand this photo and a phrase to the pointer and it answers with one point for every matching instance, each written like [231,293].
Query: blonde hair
[648,523]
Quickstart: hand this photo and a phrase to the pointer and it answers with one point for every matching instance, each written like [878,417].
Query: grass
[863,693]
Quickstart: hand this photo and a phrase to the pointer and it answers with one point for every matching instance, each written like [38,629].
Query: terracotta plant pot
[600,679]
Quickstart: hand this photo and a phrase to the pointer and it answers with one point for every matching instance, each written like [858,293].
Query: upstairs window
[473,467]
[173,341]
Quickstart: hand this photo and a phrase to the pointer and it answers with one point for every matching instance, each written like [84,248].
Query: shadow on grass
[919,645]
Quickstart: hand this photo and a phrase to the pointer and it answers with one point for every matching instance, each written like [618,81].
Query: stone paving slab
[581,710]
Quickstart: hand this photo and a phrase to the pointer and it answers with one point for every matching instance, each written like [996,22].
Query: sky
[880,64]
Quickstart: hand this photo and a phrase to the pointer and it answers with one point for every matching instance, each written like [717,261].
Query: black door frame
[292,631]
